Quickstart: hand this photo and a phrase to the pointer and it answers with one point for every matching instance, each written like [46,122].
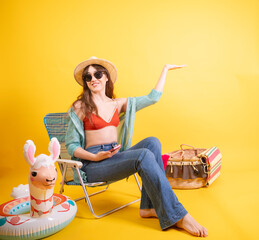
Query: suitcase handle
[181,146]
[182,150]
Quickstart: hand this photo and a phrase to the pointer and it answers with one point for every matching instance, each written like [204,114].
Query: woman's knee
[146,156]
[153,143]
[147,160]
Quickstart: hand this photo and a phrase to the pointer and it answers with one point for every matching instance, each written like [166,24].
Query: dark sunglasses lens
[98,75]
[88,77]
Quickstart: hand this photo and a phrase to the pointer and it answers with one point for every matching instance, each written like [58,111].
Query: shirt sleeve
[145,101]
[73,139]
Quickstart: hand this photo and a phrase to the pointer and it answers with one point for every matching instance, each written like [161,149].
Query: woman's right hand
[104,154]
[83,154]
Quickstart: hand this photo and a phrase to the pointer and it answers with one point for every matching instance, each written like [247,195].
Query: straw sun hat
[94,60]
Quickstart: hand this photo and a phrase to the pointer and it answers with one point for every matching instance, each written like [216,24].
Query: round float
[16,222]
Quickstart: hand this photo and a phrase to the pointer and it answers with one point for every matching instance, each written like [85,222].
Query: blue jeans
[145,159]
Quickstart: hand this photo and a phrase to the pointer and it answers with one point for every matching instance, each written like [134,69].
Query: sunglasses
[98,75]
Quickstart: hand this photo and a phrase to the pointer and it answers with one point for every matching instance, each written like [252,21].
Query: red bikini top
[98,122]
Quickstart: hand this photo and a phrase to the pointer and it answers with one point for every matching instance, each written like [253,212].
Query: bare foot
[147,213]
[189,224]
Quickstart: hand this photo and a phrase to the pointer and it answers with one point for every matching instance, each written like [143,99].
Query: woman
[92,136]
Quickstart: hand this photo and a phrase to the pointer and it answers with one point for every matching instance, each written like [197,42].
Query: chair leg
[113,210]
[95,193]
[63,179]
[136,178]
[90,204]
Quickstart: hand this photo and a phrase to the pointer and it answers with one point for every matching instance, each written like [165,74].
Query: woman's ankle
[147,213]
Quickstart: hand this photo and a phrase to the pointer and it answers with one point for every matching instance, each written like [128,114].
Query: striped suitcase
[212,162]
[192,168]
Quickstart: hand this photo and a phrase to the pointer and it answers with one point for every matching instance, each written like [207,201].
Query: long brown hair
[87,104]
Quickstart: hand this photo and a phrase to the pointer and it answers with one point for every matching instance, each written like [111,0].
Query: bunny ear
[54,149]
[29,151]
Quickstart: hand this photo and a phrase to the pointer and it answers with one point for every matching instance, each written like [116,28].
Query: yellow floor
[229,209]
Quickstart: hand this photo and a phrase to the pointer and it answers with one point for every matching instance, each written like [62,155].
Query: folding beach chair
[56,125]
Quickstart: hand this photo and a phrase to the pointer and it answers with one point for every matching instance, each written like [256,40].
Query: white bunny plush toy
[42,177]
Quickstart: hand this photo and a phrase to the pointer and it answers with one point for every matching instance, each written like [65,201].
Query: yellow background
[213,101]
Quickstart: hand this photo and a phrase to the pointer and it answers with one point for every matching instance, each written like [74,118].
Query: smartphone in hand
[115,148]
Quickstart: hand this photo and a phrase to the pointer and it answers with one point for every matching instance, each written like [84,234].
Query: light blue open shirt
[75,136]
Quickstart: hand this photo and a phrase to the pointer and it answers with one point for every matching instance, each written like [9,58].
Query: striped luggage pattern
[212,157]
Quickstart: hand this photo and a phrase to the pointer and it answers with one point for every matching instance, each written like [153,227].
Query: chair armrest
[71,163]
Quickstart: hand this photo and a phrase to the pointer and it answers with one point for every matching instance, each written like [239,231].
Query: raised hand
[172,66]
[161,81]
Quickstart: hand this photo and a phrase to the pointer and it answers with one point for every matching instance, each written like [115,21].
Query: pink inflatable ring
[16,222]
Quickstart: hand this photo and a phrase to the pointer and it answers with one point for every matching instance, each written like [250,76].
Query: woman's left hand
[171,67]
[161,81]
